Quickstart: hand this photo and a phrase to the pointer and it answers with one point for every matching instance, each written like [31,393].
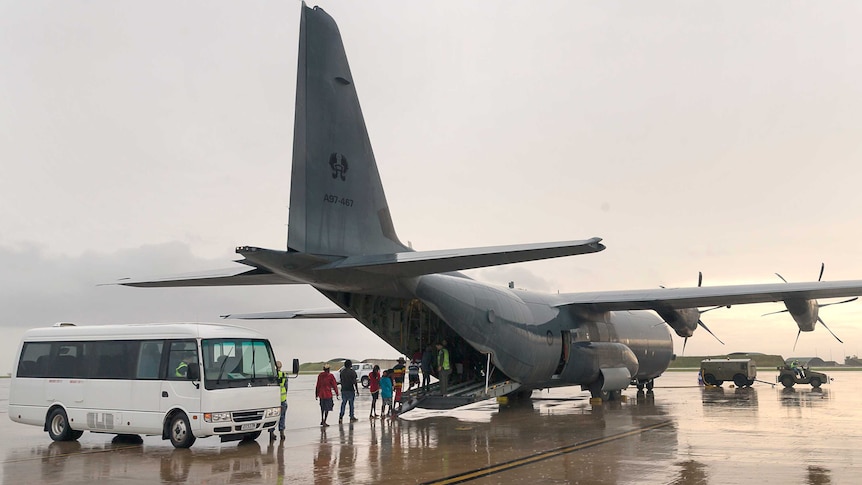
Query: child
[374,387]
[385,393]
[413,373]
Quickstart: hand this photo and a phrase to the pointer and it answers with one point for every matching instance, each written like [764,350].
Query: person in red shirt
[326,385]
[374,387]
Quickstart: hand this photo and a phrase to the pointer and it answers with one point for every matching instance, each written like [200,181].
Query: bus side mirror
[193,373]
[295,367]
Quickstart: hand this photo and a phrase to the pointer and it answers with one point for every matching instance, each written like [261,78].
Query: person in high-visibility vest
[182,369]
[443,367]
[282,383]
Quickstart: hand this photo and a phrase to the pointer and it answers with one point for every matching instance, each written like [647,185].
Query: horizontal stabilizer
[333,312]
[221,277]
[417,263]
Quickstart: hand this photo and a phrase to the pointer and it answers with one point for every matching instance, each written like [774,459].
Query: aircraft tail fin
[337,203]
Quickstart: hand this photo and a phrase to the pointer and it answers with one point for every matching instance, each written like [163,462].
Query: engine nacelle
[804,312]
[683,321]
[590,360]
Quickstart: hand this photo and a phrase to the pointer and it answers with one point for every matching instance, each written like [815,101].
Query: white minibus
[146,380]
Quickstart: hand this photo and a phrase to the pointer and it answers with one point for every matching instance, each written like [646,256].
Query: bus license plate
[247,427]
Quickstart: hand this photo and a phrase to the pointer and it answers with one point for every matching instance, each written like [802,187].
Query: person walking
[385,393]
[323,391]
[413,372]
[349,388]
[374,387]
[397,376]
[427,367]
[282,383]
[443,368]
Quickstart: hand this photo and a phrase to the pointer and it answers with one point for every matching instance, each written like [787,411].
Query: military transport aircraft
[341,240]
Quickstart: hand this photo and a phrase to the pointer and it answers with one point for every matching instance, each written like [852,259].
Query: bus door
[179,389]
[147,385]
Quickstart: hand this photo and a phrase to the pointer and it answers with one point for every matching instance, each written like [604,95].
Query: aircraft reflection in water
[390,451]
[342,241]
[481,435]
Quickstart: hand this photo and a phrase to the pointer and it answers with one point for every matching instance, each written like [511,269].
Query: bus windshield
[237,363]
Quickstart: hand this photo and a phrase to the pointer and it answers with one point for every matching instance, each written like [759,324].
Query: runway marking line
[542,455]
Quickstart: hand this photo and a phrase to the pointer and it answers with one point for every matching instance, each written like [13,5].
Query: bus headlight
[272,413]
[216,417]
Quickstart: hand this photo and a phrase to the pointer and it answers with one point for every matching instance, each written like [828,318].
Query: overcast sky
[151,138]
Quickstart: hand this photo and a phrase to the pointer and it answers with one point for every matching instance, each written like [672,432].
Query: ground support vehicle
[742,372]
[788,377]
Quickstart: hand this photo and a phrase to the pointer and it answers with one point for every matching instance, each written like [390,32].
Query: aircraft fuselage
[529,339]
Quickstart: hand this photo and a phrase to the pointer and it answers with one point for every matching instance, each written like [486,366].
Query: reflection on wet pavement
[680,434]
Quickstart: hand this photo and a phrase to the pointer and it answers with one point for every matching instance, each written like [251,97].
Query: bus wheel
[180,431]
[251,436]
[58,426]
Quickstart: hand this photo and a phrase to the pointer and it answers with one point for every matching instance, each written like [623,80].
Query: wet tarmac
[680,434]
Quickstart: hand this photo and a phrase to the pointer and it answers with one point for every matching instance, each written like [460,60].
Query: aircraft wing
[415,263]
[695,297]
[333,312]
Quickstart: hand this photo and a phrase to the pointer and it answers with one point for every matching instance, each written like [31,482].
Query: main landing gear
[648,384]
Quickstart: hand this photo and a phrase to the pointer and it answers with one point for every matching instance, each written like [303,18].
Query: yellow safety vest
[282,382]
[443,358]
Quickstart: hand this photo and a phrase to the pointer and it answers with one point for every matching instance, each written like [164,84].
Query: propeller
[699,321]
[701,312]
[816,308]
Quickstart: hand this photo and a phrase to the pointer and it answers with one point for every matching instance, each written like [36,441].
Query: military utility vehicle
[741,371]
[788,377]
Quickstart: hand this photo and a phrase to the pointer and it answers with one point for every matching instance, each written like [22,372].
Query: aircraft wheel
[649,384]
[787,381]
[520,395]
[815,382]
[740,380]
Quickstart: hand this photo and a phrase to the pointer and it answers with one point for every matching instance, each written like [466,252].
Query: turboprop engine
[806,313]
[684,321]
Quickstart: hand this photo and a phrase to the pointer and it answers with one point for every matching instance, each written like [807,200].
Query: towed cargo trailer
[742,372]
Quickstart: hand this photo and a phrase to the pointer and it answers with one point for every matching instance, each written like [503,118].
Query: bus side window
[111,359]
[150,358]
[67,366]
[34,359]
